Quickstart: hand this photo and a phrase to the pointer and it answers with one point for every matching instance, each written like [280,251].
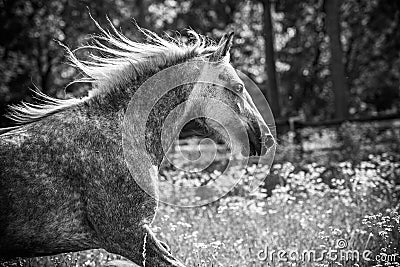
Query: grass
[304,214]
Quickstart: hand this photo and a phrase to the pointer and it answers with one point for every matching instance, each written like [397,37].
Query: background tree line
[317,59]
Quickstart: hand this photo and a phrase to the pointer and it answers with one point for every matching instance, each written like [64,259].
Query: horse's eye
[238,88]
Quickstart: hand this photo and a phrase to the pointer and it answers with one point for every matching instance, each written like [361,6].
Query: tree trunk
[141,13]
[338,77]
[272,90]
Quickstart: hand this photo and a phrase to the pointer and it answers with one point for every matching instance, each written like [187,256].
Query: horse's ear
[224,46]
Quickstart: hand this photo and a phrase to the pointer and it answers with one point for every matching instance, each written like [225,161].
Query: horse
[64,181]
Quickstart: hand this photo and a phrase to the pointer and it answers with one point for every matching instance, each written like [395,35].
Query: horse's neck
[162,127]
[112,107]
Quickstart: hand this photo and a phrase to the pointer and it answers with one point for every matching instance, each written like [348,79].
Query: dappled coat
[64,182]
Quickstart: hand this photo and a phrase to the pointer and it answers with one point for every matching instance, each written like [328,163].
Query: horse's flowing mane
[118,62]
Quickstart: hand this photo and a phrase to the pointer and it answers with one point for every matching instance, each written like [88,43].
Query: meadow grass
[359,208]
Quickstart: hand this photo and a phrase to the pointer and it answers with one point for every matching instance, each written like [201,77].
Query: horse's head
[224,107]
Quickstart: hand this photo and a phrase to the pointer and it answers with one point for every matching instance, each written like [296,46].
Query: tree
[272,90]
[337,68]
[297,45]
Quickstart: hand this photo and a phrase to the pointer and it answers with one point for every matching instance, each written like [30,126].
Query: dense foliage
[369,38]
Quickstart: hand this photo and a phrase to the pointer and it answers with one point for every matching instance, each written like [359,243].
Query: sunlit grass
[304,214]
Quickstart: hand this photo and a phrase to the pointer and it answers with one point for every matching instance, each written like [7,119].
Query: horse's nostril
[238,88]
[268,141]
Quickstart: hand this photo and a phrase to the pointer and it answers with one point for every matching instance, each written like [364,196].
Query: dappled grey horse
[64,182]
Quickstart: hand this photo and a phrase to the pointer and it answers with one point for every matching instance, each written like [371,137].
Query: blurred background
[315,60]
